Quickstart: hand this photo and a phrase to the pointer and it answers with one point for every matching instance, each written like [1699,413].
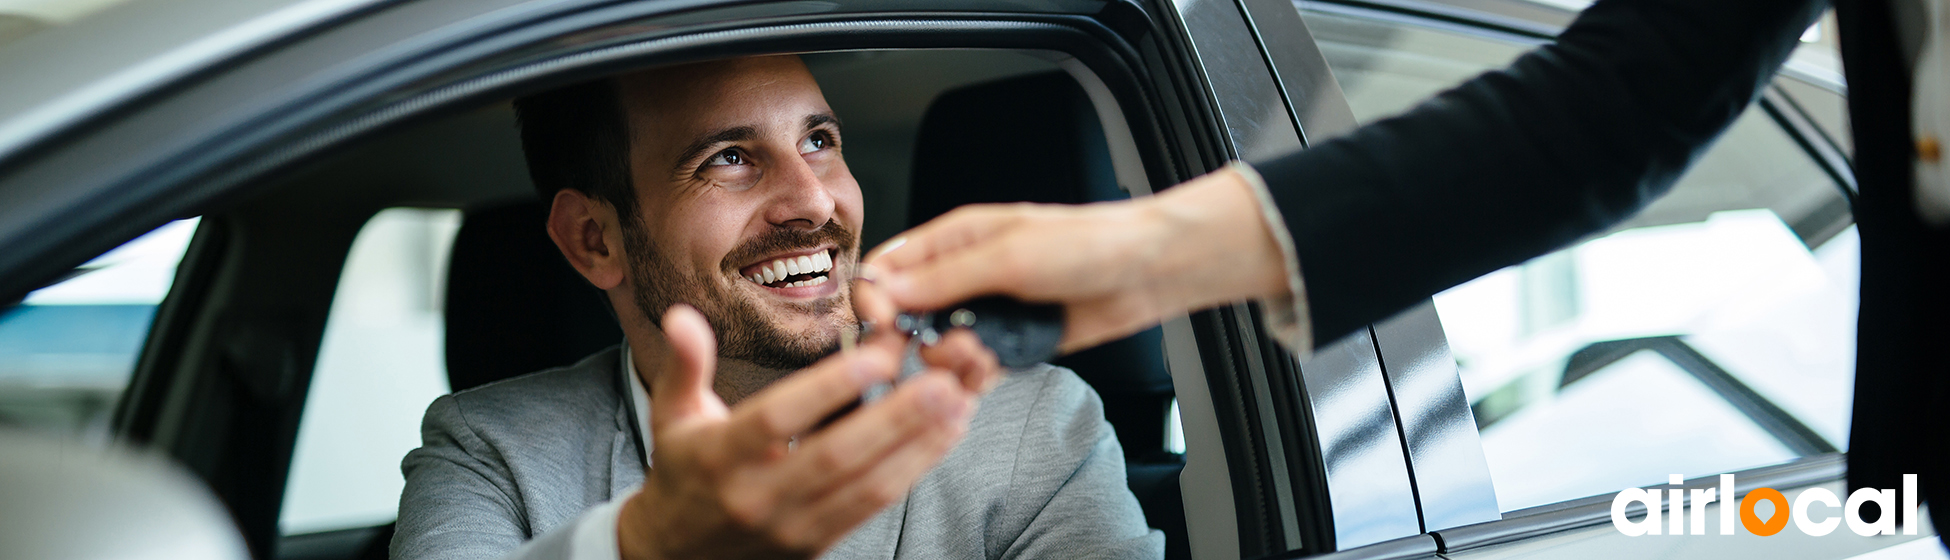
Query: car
[259,237]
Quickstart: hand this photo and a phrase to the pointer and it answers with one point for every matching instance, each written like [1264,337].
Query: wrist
[1216,244]
[632,536]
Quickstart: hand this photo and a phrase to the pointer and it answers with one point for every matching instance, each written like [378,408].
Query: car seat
[514,305]
[1036,138]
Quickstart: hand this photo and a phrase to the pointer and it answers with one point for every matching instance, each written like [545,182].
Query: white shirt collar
[641,397]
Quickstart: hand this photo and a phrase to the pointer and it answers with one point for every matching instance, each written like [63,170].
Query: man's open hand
[725,483]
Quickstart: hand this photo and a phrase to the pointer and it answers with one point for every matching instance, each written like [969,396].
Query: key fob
[1020,333]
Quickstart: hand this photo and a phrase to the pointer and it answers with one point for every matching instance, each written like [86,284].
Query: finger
[927,403]
[989,266]
[945,234]
[681,389]
[872,305]
[793,404]
[886,482]
[962,354]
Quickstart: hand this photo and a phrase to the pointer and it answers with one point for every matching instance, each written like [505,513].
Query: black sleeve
[1573,137]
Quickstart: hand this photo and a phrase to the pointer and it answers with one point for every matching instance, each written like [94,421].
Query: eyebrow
[743,133]
[815,120]
[724,136]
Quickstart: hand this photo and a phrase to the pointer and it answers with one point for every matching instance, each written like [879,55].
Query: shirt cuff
[1287,314]
[593,535]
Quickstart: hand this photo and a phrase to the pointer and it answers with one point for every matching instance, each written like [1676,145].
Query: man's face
[747,210]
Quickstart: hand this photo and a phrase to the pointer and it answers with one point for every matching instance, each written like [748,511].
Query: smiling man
[712,205]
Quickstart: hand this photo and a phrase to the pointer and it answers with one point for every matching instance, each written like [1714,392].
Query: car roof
[108,58]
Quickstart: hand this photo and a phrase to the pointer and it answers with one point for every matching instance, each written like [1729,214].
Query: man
[717,191]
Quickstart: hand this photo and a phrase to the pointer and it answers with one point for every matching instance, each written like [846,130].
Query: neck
[734,380]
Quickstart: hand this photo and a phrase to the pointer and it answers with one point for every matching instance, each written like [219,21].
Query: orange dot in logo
[1774,523]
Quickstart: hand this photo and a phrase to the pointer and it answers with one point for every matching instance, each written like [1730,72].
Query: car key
[1021,334]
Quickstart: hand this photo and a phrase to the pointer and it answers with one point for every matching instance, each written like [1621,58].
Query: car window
[1714,331]
[380,363]
[66,352]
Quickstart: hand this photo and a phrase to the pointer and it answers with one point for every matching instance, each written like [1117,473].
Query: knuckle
[771,421]
[829,459]
[746,510]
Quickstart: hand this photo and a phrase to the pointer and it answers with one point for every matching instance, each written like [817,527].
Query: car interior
[243,373]
[958,127]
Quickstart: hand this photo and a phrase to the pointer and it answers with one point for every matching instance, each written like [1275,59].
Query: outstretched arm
[1570,139]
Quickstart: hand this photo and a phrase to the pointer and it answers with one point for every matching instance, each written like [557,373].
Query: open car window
[1712,332]
[380,363]
[67,350]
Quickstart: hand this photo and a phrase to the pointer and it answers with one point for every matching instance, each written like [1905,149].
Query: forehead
[699,97]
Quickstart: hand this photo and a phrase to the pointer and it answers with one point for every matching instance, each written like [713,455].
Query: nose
[799,199]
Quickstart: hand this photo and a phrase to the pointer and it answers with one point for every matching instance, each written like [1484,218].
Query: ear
[589,235]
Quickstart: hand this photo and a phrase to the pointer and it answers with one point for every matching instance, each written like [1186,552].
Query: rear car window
[67,350]
[381,362]
[1712,332]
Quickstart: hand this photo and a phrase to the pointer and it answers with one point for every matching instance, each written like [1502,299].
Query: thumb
[683,388]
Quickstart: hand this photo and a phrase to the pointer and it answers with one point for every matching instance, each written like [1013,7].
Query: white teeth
[781,269]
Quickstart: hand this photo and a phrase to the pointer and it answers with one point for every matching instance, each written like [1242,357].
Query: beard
[743,329]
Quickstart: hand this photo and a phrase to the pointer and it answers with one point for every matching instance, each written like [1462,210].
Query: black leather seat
[514,305]
[1037,139]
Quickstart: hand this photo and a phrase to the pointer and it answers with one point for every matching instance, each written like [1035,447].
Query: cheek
[706,233]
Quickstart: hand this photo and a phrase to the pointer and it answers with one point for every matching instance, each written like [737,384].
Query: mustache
[780,240]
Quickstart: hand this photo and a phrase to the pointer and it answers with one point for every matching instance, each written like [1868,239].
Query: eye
[818,140]
[727,157]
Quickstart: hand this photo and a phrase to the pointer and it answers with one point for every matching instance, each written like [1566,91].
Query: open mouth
[811,269]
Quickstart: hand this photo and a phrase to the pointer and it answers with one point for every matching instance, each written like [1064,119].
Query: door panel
[1344,420]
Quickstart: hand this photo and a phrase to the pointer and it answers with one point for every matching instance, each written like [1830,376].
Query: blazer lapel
[625,461]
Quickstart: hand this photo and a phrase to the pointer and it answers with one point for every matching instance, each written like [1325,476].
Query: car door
[1510,452]
[1331,471]
[223,383]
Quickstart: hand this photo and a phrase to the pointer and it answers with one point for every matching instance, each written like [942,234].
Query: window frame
[266,111]
[1419,335]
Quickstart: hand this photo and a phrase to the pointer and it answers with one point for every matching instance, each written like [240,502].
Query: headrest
[514,305]
[1030,139]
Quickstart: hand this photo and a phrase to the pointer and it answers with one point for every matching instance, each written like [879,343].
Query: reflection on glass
[1740,288]
[1749,263]
[67,350]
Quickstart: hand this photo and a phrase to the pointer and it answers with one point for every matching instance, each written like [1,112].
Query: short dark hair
[578,137]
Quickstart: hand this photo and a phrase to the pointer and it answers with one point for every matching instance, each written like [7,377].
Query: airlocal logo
[1807,518]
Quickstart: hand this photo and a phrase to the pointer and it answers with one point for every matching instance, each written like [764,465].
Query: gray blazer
[1039,475]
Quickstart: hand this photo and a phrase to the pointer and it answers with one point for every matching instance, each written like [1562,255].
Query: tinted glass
[1650,349]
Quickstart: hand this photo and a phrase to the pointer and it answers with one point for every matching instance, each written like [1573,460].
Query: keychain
[1021,334]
